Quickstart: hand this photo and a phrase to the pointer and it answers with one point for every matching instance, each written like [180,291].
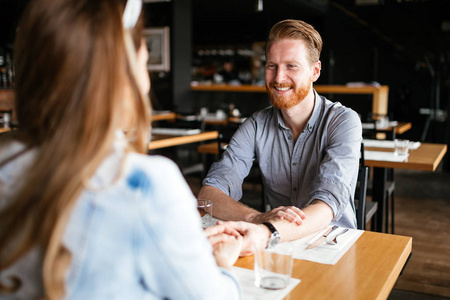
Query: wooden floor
[422,206]
[422,211]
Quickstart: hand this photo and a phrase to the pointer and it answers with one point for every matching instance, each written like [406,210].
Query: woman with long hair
[84,212]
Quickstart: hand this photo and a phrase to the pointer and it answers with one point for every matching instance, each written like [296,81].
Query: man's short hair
[298,30]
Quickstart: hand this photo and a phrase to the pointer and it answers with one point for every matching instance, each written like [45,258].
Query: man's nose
[280,75]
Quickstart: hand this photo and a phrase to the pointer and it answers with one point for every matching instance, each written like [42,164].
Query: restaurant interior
[389,60]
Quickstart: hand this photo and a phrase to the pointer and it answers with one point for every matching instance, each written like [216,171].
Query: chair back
[360,197]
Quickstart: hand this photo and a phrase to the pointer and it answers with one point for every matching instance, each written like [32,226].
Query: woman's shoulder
[155,167]
[152,163]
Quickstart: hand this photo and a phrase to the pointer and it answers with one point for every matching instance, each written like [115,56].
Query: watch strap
[270,226]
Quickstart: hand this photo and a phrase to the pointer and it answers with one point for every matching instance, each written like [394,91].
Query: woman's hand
[255,236]
[226,243]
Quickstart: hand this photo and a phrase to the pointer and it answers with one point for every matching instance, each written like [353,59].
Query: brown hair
[298,30]
[74,83]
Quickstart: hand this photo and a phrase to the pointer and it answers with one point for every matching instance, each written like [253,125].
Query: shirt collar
[312,120]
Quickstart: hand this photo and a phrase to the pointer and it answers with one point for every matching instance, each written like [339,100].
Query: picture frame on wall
[158,43]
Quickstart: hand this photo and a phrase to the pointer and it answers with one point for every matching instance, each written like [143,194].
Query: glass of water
[205,208]
[273,267]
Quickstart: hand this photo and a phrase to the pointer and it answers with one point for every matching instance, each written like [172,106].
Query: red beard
[285,102]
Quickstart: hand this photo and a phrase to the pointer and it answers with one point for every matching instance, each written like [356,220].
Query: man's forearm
[225,207]
[318,216]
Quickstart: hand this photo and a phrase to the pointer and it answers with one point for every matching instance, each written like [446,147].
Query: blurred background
[403,44]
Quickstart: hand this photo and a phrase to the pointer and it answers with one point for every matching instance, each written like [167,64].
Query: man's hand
[255,236]
[289,213]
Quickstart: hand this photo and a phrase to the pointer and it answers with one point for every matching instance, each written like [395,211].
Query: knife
[323,238]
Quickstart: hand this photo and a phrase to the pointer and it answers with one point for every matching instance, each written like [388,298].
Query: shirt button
[294,164]
[294,189]
[289,137]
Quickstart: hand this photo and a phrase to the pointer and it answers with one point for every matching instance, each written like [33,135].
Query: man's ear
[316,71]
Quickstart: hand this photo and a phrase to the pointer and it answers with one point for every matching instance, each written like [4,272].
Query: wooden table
[402,127]
[163,141]
[163,116]
[389,132]
[368,270]
[426,158]
[379,94]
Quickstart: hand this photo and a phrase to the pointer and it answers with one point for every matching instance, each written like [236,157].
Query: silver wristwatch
[274,238]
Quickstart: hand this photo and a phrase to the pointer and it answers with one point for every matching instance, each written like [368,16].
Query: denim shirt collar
[312,120]
[110,169]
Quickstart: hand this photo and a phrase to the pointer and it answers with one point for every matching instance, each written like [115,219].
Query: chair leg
[392,212]
[387,208]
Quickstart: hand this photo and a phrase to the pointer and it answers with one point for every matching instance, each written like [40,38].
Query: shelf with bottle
[7,71]
[228,64]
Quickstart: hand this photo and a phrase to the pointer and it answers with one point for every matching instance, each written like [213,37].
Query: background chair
[390,183]
[365,210]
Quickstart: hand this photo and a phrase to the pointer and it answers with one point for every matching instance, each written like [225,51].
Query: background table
[163,141]
[368,270]
[426,158]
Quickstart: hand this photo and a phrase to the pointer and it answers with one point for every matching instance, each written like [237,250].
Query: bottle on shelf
[9,70]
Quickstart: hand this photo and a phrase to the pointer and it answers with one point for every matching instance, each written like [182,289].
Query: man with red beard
[307,147]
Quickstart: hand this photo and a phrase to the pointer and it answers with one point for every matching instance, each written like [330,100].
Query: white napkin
[175,131]
[372,125]
[384,156]
[387,144]
[325,253]
[246,278]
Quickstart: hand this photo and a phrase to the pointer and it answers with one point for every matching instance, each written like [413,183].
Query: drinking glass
[273,267]
[401,147]
[205,208]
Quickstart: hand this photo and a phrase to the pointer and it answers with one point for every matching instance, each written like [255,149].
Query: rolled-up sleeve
[336,180]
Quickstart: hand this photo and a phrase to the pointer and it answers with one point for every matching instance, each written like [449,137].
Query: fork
[334,241]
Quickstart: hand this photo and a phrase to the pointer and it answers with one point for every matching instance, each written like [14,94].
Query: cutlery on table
[334,241]
[323,238]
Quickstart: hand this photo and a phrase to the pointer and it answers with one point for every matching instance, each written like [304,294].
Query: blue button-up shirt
[322,164]
[134,233]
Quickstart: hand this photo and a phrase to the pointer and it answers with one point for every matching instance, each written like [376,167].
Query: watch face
[274,239]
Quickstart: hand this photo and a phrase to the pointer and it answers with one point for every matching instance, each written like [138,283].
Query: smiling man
[307,147]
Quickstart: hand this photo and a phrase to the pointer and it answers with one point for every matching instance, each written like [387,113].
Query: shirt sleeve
[229,172]
[335,183]
[174,256]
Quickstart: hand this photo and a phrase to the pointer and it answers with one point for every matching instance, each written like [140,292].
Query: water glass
[205,208]
[401,147]
[382,122]
[273,267]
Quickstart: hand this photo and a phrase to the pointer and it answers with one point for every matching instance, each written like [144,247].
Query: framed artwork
[158,43]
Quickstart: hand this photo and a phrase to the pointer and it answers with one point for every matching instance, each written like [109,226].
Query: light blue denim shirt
[322,164]
[133,234]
